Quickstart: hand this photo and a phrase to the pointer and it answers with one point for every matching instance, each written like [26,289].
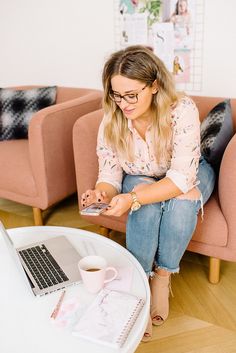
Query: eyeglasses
[131,98]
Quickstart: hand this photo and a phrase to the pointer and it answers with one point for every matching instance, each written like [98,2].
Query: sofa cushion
[17,108]
[216,132]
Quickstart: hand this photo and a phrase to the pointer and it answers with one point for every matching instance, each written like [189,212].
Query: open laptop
[48,265]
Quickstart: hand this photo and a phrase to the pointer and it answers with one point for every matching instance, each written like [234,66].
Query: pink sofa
[216,235]
[39,171]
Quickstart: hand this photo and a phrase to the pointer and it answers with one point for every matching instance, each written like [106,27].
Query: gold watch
[135,203]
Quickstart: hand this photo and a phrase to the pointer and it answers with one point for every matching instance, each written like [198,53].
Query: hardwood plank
[192,341]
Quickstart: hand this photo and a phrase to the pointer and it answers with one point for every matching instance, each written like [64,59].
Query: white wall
[219,53]
[60,42]
[65,42]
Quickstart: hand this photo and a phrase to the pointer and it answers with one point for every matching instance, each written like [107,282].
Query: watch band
[135,203]
[134,196]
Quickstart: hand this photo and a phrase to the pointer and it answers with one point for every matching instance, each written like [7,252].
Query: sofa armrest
[227,190]
[50,146]
[84,143]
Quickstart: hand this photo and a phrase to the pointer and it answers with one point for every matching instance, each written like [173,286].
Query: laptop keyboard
[43,267]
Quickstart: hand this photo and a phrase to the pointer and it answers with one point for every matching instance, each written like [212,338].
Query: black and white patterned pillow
[216,132]
[17,108]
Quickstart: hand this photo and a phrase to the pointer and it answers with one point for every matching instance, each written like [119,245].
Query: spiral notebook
[110,318]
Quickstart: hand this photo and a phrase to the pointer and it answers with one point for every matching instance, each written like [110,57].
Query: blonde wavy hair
[141,64]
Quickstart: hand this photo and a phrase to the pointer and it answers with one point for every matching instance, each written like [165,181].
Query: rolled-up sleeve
[110,170]
[185,145]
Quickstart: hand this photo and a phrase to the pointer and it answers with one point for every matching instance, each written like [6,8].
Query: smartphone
[95,209]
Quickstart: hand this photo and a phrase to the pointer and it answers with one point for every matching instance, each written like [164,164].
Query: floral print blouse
[185,147]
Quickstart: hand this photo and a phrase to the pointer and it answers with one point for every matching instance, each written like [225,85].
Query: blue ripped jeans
[159,233]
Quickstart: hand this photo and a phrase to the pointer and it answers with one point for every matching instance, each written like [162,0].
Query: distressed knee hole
[146,180]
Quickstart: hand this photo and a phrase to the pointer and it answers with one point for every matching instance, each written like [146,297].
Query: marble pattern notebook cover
[109,318]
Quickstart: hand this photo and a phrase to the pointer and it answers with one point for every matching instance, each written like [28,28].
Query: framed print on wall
[173,29]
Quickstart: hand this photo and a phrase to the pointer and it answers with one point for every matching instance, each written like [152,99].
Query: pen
[57,308]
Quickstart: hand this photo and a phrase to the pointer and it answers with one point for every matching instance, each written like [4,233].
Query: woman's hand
[91,196]
[119,205]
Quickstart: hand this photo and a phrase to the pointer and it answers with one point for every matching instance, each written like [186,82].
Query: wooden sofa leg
[38,218]
[214,270]
[105,231]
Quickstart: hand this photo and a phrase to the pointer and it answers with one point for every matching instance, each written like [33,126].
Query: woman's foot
[148,333]
[160,287]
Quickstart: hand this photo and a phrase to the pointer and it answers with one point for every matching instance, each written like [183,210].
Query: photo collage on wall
[171,28]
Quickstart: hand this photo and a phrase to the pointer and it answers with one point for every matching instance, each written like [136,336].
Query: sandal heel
[160,290]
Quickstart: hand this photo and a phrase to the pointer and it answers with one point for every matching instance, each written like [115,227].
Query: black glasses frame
[131,98]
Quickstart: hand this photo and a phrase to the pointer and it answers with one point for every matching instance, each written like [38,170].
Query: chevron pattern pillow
[216,132]
[17,108]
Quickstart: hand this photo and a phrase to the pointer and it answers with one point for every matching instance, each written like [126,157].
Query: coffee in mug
[93,270]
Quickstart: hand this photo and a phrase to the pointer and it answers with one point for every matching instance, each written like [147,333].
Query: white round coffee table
[25,320]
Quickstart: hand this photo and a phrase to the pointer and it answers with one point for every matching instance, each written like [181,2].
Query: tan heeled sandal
[148,333]
[160,289]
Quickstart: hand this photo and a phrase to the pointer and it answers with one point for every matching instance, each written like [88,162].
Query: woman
[148,150]
[181,16]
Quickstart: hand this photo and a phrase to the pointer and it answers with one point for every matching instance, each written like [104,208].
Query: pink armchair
[216,235]
[39,171]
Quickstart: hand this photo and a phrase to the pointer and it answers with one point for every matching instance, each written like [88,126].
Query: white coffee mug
[93,271]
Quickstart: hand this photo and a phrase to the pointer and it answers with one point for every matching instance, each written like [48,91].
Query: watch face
[136,206]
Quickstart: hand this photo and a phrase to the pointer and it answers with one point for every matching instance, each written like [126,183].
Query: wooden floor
[202,315]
